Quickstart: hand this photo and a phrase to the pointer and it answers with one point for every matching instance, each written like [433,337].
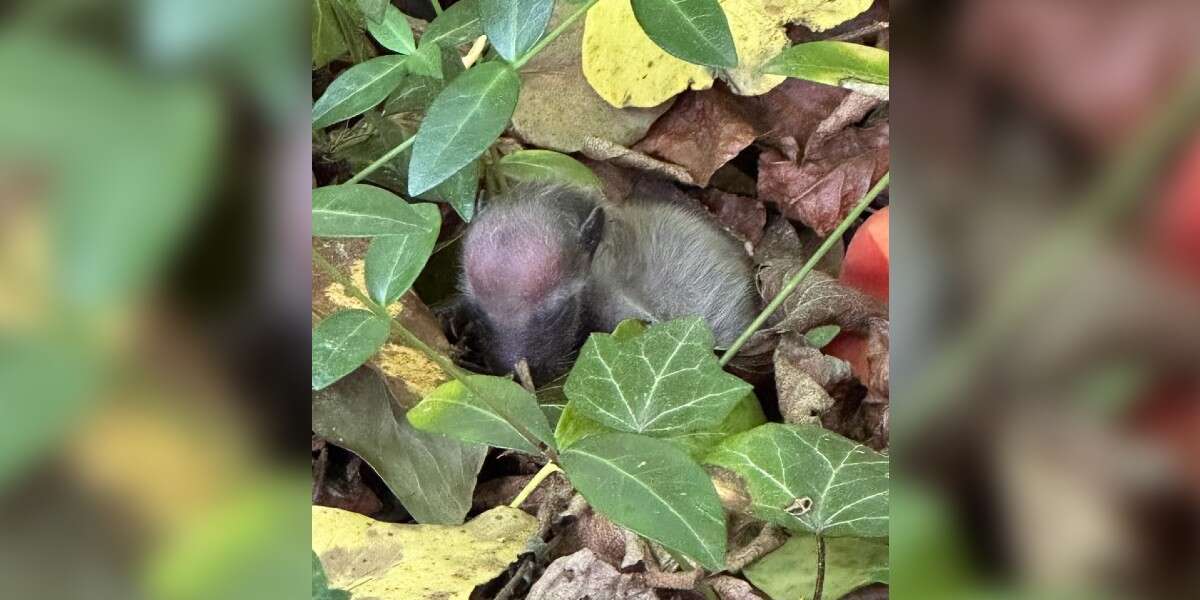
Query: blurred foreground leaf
[431,474]
[390,560]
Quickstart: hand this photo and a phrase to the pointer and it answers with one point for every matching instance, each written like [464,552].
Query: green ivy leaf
[693,30]
[746,415]
[819,337]
[663,382]
[456,25]
[652,488]
[514,26]
[787,467]
[546,165]
[462,122]
[342,342]
[831,63]
[432,475]
[357,89]
[320,585]
[393,262]
[359,210]
[850,563]
[393,31]
[454,411]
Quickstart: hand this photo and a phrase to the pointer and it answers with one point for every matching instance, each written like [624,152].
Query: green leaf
[393,31]
[846,483]
[458,191]
[663,382]
[456,25]
[357,89]
[359,210]
[546,165]
[327,40]
[416,92]
[462,122]
[746,415]
[652,488]
[790,571]
[453,410]
[342,342]
[320,585]
[373,10]
[819,337]
[572,427]
[432,475]
[514,26]
[394,261]
[832,63]
[426,61]
[693,30]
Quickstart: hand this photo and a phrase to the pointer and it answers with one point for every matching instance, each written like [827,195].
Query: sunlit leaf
[832,63]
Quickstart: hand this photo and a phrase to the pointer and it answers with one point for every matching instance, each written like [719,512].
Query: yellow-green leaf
[832,63]
[548,166]
[374,559]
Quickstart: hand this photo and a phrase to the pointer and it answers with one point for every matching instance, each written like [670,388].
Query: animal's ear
[592,230]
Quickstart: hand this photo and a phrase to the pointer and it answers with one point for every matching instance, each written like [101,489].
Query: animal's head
[526,264]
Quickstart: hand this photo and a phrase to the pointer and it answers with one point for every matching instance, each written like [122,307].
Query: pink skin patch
[510,271]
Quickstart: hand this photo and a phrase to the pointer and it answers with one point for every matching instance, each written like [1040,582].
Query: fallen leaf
[795,110]
[822,186]
[604,150]
[583,576]
[744,217]
[809,382]
[702,132]
[818,300]
[374,559]
[790,571]
[557,108]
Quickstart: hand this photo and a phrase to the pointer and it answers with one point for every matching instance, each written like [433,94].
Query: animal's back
[660,261]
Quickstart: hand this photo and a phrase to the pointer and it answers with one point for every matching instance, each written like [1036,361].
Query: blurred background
[154,282]
[1046,299]
[154,275]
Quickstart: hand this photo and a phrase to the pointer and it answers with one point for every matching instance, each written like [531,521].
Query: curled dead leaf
[809,383]
[702,132]
[818,300]
[584,575]
[743,217]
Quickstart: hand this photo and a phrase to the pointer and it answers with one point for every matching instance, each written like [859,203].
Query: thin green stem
[393,153]
[442,361]
[833,238]
[538,478]
[819,587]
[437,7]
[550,37]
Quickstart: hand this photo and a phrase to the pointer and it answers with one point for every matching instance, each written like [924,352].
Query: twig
[820,585]
[860,33]
[767,541]
[830,240]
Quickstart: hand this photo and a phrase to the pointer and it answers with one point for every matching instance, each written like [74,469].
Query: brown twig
[861,32]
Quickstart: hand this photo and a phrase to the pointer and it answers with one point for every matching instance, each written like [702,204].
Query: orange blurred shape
[865,268]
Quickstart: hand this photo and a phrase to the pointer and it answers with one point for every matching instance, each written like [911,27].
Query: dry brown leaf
[818,300]
[878,342]
[602,149]
[743,217]
[702,132]
[809,382]
[732,588]
[584,576]
[795,109]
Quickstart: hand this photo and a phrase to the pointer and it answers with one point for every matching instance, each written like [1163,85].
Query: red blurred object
[865,268]
[1176,225]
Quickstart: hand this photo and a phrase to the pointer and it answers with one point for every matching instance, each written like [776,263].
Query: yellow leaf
[627,69]
[391,561]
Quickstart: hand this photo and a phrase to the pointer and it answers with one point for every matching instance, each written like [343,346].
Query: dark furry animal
[546,266]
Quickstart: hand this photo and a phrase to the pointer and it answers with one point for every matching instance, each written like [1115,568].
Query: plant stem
[550,37]
[820,585]
[787,290]
[443,362]
[437,7]
[538,478]
[393,153]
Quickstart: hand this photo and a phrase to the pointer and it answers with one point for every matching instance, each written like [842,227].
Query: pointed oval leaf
[462,122]
[342,342]
[393,31]
[426,61]
[546,165]
[652,488]
[693,30]
[432,475]
[846,483]
[394,261]
[373,10]
[514,26]
[357,89]
[832,63]
[456,25]
[453,410]
[663,382]
[359,210]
